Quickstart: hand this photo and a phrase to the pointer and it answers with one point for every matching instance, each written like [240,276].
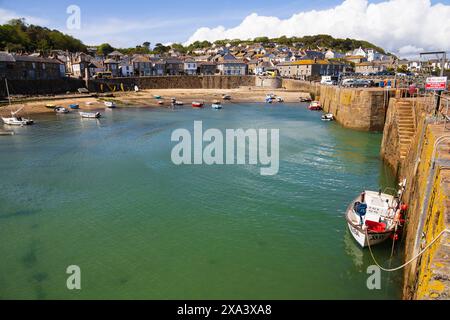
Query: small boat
[74,106]
[197,104]
[303,99]
[90,115]
[280,99]
[328,117]
[315,106]
[61,110]
[216,105]
[17,120]
[371,217]
[179,103]
[226,97]
[50,106]
[160,102]
[157,97]
[110,104]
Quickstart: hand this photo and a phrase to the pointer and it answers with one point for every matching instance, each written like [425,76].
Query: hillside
[16,35]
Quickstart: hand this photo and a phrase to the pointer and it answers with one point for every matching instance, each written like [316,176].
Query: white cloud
[409,25]
[7,15]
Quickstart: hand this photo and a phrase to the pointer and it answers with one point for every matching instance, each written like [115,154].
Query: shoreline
[145,98]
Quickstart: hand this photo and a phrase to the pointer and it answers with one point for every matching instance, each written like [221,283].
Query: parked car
[348,82]
[329,82]
[362,83]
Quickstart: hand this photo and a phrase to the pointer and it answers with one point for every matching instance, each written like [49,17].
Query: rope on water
[411,260]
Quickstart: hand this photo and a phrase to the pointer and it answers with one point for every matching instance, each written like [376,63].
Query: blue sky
[131,22]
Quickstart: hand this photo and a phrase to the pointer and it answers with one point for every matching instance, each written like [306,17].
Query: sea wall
[171,82]
[41,87]
[360,109]
[303,86]
[426,168]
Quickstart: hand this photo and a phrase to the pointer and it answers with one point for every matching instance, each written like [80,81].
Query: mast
[7,91]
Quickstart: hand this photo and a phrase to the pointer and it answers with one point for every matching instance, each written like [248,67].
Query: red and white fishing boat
[197,104]
[315,105]
[373,217]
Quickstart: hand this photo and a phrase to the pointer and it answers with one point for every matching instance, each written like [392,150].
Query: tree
[146,44]
[105,49]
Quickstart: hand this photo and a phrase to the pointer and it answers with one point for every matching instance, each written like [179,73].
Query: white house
[126,69]
[190,67]
[330,54]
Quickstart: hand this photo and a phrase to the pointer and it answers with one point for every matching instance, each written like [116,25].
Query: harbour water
[105,195]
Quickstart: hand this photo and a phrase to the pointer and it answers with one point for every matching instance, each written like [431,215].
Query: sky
[404,27]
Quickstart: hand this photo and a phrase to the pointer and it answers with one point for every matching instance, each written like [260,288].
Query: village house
[367,68]
[190,67]
[126,68]
[207,68]
[310,69]
[23,67]
[229,65]
[356,59]
[174,67]
[78,65]
[159,67]
[330,54]
[112,66]
[142,66]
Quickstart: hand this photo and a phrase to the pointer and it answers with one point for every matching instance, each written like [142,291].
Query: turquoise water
[104,195]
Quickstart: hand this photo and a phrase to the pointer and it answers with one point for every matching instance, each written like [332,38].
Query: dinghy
[110,104]
[216,105]
[196,104]
[61,110]
[315,106]
[74,106]
[90,115]
[328,117]
[372,217]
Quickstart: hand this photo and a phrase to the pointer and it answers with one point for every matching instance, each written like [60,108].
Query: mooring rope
[408,262]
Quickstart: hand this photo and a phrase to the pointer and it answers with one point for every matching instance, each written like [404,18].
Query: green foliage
[160,49]
[17,35]
[104,49]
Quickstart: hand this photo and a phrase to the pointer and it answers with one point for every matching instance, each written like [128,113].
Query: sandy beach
[146,98]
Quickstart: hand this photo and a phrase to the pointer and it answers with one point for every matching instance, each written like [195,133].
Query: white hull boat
[328,117]
[90,115]
[110,104]
[370,218]
[61,110]
[17,121]
[216,106]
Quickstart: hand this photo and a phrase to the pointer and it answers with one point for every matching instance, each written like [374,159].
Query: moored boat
[90,115]
[280,99]
[303,99]
[161,102]
[110,104]
[74,106]
[315,106]
[372,217]
[17,120]
[61,110]
[196,104]
[226,97]
[328,117]
[50,106]
[216,105]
